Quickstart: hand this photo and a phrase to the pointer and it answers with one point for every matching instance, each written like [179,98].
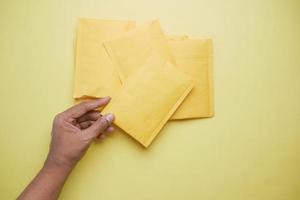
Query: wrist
[58,164]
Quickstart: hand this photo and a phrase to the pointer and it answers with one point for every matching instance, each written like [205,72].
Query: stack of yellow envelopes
[151,77]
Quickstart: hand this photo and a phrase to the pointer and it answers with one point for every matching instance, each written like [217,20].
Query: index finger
[84,107]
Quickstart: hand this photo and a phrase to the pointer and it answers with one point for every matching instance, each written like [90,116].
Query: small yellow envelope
[95,75]
[194,57]
[130,51]
[148,98]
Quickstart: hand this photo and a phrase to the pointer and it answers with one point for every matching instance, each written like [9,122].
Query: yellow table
[249,150]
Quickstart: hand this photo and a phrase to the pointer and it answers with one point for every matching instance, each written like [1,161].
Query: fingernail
[110,117]
[110,129]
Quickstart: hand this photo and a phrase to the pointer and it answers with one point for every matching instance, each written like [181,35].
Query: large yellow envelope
[148,98]
[129,52]
[194,57]
[95,75]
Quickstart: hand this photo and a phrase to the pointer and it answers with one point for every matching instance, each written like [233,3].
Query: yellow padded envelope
[194,57]
[148,98]
[95,75]
[131,50]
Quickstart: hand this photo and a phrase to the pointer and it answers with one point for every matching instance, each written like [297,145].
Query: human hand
[74,130]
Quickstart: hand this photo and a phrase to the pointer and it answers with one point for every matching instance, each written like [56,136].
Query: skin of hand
[72,133]
[75,129]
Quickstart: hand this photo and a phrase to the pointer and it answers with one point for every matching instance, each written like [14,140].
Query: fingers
[100,125]
[110,129]
[106,133]
[84,107]
[89,116]
[88,119]
[86,124]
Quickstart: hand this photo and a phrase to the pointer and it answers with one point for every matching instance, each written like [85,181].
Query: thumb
[100,125]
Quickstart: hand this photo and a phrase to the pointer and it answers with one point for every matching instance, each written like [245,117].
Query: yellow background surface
[249,150]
